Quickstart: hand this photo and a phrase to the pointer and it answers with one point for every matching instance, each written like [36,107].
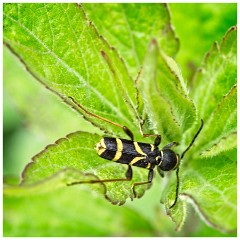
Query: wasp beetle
[138,154]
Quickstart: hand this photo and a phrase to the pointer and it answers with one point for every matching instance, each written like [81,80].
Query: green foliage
[68,49]
[208,25]
[163,91]
[70,67]
[41,118]
[133,28]
[211,81]
[207,159]
[45,210]
[69,155]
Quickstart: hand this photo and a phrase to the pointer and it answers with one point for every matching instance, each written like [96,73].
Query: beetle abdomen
[128,152]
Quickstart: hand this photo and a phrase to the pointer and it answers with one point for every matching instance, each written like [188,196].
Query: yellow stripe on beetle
[149,165]
[152,147]
[136,159]
[119,150]
[138,149]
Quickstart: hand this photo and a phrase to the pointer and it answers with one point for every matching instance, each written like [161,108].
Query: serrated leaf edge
[207,152]
[128,100]
[212,117]
[191,200]
[65,98]
[67,137]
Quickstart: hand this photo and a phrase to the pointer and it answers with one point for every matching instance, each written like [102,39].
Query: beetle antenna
[177,171]
[177,188]
[193,140]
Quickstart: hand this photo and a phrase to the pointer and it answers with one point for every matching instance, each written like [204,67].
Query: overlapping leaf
[209,184]
[169,110]
[133,29]
[72,68]
[77,156]
[62,49]
[214,93]
[208,171]
[216,138]
[217,76]
[41,109]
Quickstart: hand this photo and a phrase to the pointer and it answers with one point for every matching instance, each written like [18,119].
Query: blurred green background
[28,127]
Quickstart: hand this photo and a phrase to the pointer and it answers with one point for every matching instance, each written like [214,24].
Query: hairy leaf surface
[166,104]
[83,66]
[208,170]
[61,47]
[217,76]
[77,152]
[133,29]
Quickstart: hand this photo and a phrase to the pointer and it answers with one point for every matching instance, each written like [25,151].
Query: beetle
[138,154]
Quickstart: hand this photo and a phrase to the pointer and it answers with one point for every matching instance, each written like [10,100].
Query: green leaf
[198,31]
[61,72]
[179,215]
[76,154]
[220,137]
[208,170]
[169,110]
[215,95]
[133,29]
[62,49]
[223,144]
[70,212]
[41,109]
[209,184]
[217,76]
[77,67]
[216,199]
